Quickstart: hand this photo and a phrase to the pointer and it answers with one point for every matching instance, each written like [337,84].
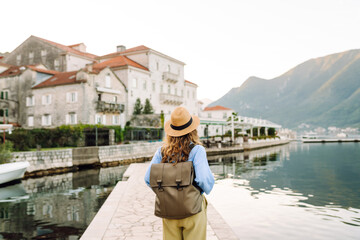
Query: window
[115,99]
[134,83]
[71,118]
[43,53]
[99,97]
[188,94]
[6,95]
[157,66]
[224,115]
[31,121]
[153,87]
[209,115]
[18,57]
[182,92]
[169,89]
[30,101]
[116,119]
[46,120]
[2,95]
[107,81]
[31,57]
[176,91]
[1,112]
[104,119]
[71,97]
[46,99]
[161,88]
[56,64]
[144,85]
[194,94]
[169,68]
[97,119]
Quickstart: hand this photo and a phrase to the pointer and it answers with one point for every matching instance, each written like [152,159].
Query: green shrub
[5,152]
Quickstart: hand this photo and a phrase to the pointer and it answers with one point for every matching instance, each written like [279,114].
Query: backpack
[177,195]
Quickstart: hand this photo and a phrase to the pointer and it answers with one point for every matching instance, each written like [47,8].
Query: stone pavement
[128,213]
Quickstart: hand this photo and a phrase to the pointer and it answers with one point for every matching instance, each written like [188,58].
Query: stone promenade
[128,213]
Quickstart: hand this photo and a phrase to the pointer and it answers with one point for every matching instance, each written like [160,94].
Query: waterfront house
[54,56]
[86,96]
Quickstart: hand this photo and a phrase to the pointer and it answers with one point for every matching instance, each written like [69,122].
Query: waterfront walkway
[128,213]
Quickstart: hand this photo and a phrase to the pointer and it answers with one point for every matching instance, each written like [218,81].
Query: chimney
[120,48]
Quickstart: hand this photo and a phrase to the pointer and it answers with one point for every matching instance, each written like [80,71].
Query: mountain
[323,91]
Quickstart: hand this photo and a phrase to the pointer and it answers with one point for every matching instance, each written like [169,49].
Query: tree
[137,107]
[148,109]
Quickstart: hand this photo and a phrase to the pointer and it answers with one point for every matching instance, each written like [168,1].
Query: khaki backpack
[176,196]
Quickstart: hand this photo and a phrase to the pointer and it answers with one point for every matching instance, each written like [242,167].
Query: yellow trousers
[190,228]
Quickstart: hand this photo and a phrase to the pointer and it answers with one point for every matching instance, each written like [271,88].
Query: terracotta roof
[134,49]
[74,45]
[12,71]
[69,49]
[42,70]
[118,62]
[191,82]
[62,78]
[4,64]
[216,108]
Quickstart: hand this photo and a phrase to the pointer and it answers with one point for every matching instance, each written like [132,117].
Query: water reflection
[55,207]
[315,183]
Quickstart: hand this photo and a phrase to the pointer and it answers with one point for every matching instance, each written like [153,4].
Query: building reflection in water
[59,206]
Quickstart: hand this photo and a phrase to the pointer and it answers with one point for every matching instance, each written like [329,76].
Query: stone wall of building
[44,160]
[127,151]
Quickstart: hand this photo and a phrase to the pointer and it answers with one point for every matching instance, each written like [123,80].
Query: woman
[180,133]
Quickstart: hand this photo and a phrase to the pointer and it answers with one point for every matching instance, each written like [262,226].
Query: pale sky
[222,42]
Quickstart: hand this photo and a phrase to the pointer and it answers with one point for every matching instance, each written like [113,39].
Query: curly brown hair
[177,149]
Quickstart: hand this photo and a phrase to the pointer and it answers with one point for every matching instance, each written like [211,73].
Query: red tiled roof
[69,49]
[11,71]
[134,49]
[42,70]
[4,64]
[216,108]
[62,78]
[74,45]
[118,62]
[191,82]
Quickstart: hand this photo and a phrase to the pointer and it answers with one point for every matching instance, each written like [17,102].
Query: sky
[222,42]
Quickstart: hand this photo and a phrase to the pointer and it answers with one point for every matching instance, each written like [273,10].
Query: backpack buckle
[160,188]
[178,181]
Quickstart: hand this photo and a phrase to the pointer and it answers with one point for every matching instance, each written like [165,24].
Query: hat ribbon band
[178,128]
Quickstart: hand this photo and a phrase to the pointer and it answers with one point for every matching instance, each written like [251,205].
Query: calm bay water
[294,191]
[55,207]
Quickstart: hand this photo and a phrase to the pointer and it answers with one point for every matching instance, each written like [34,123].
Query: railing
[103,106]
[170,77]
[170,99]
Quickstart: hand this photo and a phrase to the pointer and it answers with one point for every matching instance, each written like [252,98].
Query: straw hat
[181,122]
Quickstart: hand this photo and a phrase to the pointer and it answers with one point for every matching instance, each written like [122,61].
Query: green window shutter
[1,113]
[6,112]
[6,95]
[2,95]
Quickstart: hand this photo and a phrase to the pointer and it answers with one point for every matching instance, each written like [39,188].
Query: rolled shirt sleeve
[156,159]
[204,177]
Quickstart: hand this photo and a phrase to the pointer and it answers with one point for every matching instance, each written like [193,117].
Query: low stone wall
[44,160]
[85,156]
[127,151]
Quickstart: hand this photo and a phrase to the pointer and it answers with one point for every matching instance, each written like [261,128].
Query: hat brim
[177,133]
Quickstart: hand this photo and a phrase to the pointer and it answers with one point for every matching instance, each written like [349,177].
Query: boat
[341,135]
[12,171]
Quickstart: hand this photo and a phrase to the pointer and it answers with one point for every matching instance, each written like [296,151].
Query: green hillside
[321,92]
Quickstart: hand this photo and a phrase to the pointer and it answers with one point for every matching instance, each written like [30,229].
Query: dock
[333,140]
[128,213]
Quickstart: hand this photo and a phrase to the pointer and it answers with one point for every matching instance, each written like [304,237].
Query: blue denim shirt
[204,177]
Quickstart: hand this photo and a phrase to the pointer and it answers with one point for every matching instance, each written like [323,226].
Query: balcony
[170,77]
[102,106]
[170,99]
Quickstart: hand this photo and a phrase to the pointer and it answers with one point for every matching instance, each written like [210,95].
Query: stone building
[85,96]
[15,86]
[150,74]
[54,56]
